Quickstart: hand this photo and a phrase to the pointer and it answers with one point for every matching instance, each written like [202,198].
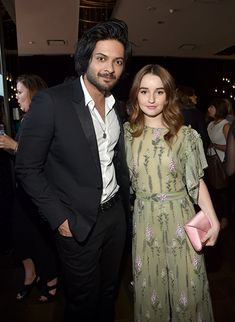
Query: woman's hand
[212,234]
[7,143]
[205,204]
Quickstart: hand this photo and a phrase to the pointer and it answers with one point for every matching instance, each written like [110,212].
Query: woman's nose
[151,98]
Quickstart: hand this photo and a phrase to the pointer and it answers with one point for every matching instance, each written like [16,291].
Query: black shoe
[26,290]
[45,292]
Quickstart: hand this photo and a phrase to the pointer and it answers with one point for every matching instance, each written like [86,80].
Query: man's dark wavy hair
[112,29]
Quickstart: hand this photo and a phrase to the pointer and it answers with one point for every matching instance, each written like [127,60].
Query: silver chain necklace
[103,130]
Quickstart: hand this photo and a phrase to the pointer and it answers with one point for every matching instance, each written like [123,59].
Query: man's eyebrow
[121,57]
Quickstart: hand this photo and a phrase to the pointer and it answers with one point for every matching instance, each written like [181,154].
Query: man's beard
[101,87]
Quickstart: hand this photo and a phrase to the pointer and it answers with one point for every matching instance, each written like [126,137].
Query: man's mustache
[107,75]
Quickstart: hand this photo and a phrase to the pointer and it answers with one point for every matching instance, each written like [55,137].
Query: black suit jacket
[58,162]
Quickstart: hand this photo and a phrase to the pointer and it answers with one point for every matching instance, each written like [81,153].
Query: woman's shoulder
[126,125]
[188,133]
[187,129]
[225,121]
[127,131]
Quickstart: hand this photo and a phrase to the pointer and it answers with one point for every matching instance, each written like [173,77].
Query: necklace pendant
[104,135]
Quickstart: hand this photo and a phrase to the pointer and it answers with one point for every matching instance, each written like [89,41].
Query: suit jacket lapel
[85,120]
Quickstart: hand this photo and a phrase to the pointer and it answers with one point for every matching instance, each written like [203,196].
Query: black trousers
[90,269]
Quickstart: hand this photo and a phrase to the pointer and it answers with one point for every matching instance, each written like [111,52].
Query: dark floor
[220,263]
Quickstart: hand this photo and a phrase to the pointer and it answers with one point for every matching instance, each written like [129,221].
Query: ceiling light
[56,42]
[151,8]
[187,47]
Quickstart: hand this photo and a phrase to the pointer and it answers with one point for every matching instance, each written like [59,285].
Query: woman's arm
[7,143]
[222,147]
[204,201]
[225,130]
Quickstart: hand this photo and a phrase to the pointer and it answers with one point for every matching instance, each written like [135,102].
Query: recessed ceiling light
[150,8]
[56,42]
[187,47]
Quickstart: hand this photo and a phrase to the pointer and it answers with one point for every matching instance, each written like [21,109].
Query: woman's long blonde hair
[171,115]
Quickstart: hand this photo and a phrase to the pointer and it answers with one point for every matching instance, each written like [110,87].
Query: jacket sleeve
[33,152]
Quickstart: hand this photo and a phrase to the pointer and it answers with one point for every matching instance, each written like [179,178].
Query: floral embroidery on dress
[183,301]
[180,233]
[172,166]
[149,234]
[156,134]
[154,298]
[138,264]
[156,138]
[196,263]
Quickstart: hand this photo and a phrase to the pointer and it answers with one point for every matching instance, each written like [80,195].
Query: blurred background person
[230,165]
[230,116]
[230,151]
[218,131]
[6,193]
[31,234]
[187,101]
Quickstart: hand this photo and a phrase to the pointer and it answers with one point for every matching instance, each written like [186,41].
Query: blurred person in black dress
[31,235]
[187,101]
[6,196]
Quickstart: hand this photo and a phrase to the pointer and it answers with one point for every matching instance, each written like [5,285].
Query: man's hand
[64,229]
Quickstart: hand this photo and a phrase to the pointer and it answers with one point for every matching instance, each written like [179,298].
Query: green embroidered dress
[169,276]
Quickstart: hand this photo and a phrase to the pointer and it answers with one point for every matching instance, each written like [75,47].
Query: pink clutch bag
[196,229]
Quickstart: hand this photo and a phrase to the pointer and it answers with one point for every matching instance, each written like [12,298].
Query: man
[71,161]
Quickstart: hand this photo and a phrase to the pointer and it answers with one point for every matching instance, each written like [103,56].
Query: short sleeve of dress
[195,162]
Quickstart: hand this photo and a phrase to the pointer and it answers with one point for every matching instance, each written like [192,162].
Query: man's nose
[109,67]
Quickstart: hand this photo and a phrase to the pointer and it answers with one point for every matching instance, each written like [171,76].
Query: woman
[218,131]
[166,162]
[32,236]
[218,128]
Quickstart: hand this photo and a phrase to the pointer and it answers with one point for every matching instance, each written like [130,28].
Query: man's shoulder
[65,86]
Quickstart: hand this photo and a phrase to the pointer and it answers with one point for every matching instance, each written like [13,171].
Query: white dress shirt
[107,135]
